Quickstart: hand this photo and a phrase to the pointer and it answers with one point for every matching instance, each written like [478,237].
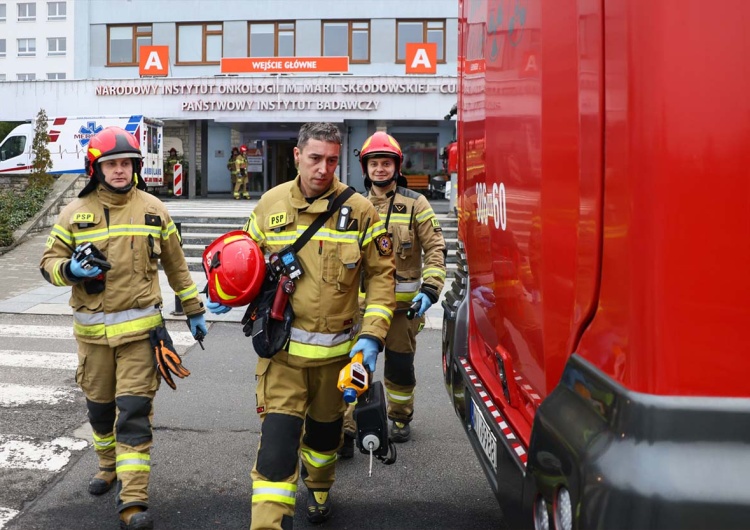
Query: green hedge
[16,209]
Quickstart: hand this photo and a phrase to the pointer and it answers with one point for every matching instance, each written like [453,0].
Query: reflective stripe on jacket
[134,232]
[327,319]
[418,243]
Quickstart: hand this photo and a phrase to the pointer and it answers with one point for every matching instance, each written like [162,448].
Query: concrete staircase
[201,221]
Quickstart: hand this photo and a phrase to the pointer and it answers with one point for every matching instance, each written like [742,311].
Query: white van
[69,138]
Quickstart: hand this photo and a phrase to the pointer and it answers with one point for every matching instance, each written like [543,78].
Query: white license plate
[483,433]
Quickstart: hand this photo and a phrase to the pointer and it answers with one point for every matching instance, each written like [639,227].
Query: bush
[16,209]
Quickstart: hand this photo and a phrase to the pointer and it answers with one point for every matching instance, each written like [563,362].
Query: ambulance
[594,345]
[68,141]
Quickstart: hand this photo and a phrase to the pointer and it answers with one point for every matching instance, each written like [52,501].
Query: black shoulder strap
[321,219]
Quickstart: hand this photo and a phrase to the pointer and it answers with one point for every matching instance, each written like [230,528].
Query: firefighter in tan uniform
[419,250]
[240,183]
[297,387]
[232,166]
[114,312]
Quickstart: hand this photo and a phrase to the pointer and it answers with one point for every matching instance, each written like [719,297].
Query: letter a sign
[421,58]
[154,61]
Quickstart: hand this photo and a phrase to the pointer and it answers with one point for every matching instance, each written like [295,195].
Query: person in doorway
[115,311]
[232,166]
[240,186]
[172,159]
[420,274]
[297,387]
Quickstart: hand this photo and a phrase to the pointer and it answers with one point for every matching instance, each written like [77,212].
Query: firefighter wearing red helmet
[419,250]
[116,310]
[240,185]
[296,388]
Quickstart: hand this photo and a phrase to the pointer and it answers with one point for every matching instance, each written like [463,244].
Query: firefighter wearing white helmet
[419,250]
[115,312]
[296,388]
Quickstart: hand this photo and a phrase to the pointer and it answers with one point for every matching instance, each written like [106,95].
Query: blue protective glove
[425,302]
[369,348]
[198,326]
[79,272]
[216,308]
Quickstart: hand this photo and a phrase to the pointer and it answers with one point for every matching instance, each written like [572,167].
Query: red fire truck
[594,339]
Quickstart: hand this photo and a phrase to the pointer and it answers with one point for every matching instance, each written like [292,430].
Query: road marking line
[179,338]
[25,453]
[39,359]
[14,395]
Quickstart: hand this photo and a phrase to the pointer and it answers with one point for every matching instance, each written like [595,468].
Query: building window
[420,153]
[420,31]
[2,77]
[2,48]
[26,47]
[26,77]
[199,43]
[3,11]
[56,46]
[124,42]
[56,76]
[26,11]
[350,39]
[275,39]
[56,10]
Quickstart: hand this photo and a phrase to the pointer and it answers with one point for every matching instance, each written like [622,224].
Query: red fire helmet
[235,269]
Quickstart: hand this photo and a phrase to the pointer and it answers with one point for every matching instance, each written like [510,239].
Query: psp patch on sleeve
[276,219]
[436,225]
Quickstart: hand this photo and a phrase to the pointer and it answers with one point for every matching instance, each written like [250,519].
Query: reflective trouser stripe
[102,443]
[133,462]
[283,492]
[318,459]
[399,397]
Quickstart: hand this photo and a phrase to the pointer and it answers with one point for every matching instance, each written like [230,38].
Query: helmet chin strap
[385,183]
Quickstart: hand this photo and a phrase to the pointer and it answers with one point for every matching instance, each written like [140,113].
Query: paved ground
[24,291]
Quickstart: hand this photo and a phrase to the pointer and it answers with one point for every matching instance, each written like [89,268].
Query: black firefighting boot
[400,432]
[136,518]
[318,506]
[347,450]
[103,481]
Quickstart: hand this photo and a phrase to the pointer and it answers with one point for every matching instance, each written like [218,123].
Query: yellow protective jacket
[416,233]
[134,231]
[240,162]
[327,319]
[232,165]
